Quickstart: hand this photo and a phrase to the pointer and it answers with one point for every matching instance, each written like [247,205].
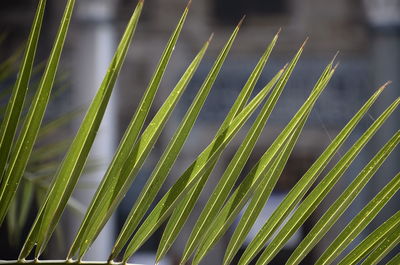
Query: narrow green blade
[15,104]
[342,203]
[386,245]
[27,137]
[164,165]
[241,195]
[73,163]
[219,227]
[183,210]
[131,134]
[260,197]
[191,176]
[236,165]
[300,189]
[161,171]
[322,189]
[141,150]
[248,88]
[239,198]
[371,241]
[360,221]
[70,169]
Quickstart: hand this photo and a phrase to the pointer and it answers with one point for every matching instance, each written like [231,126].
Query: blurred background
[367,34]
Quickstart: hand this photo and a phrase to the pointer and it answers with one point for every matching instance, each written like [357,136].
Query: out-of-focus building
[369,56]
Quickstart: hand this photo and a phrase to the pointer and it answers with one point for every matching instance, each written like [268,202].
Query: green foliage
[225,202]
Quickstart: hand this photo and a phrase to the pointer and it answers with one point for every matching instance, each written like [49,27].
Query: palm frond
[15,104]
[20,163]
[27,137]
[370,242]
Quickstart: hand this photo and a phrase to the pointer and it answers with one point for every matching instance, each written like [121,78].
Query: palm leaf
[321,190]
[239,198]
[27,164]
[342,203]
[261,196]
[70,169]
[367,245]
[172,151]
[360,221]
[125,148]
[15,104]
[141,150]
[184,208]
[191,175]
[27,137]
[386,245]
[299,190]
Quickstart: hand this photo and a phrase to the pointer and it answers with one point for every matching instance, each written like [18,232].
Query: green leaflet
[386,245]
[321,190]
[15,104]
[70,169]
[245,93]
[191,176]
[182,211]
[161,171]
[368,244]
[21,127]
[164,165]
[27,137]
[343,202]
[239,198]
[126,146]
[141,150]
[76,157]
[261,195]
[236,165]
[360,221]
[299,190]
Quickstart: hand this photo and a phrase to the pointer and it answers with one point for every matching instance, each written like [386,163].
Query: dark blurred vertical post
[94,45]
[384,19]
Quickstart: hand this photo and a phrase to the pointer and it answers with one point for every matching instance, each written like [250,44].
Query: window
[229,11]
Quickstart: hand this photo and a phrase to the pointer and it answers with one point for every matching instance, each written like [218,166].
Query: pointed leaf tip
[336,66]
[189,4]
[278,32]
[385,85]
[335,56]
[304,43]
[211,37]
[241,21]
[285,66]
